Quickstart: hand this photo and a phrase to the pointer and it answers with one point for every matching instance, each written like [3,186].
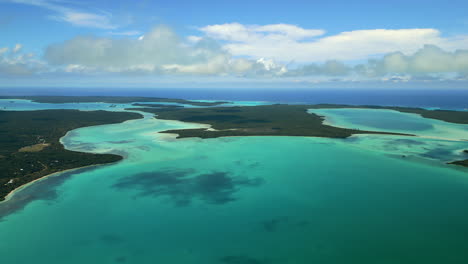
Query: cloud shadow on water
[184,186]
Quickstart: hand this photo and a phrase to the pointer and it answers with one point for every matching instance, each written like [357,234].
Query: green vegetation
[458,117]
[280,120]
[158,105]
[265,120]
[463,163]
[107,99]
[30,147]
[29,128]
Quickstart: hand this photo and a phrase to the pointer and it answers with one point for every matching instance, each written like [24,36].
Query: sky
[66,43]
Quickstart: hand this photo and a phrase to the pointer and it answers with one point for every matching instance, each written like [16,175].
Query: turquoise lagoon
[245,200]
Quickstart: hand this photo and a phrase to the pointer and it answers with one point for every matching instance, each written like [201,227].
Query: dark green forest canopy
[28,128]
[108,99]
[281,120]
[451,116]
[20,129]
[265,120]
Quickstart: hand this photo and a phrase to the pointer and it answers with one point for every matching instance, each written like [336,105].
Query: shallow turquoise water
[393,121]
[243,200]
[25,105]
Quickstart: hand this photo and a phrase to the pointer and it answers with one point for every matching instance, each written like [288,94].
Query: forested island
[30,146]
[263,120]
[282,120]
[109,99]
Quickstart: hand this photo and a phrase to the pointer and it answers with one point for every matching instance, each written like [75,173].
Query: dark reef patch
[184,186]
[121,259]
[283,223]
[146,148]
[438,153]
[272,225]
[241,260]
[121,141]
[409,142]
[111,239]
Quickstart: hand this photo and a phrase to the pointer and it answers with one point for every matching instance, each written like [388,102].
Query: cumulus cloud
[17,48]
[430,63]
[236,32]
[15,63]
[286,43]
[73,16]
[162,52]
[329,68]
[159,51]
[428,60]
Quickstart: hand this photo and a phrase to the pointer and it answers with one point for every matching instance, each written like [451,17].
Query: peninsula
[263,120]
[282,120]
[30,146]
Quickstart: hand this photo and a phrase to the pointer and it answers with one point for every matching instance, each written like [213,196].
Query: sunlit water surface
[246,200]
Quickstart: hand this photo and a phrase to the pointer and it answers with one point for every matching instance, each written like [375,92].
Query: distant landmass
[30,146]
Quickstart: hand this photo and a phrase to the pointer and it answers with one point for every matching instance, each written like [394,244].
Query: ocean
[428,98]
[252,200]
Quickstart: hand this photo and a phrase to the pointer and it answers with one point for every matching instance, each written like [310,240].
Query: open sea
[367,199]
[431,98]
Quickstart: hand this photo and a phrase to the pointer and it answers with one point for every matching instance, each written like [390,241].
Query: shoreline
[21,187]
[327,120]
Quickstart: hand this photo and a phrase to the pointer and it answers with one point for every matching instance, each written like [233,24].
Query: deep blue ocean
[429,98]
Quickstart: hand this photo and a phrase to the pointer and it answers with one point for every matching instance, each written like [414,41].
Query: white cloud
[286,43]
[271,66]
[15,63]
[160,51]
[329,68]
[3,50]
[239,33]
[194,39]
[73,16]
[428,60]
[17,48]
[83,19]
[427,63]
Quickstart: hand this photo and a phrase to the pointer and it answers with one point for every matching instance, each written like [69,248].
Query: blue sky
[158,43]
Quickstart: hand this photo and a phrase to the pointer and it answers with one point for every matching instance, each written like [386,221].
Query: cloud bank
[427,61]
[253,51]
[160,51]
[291,43]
